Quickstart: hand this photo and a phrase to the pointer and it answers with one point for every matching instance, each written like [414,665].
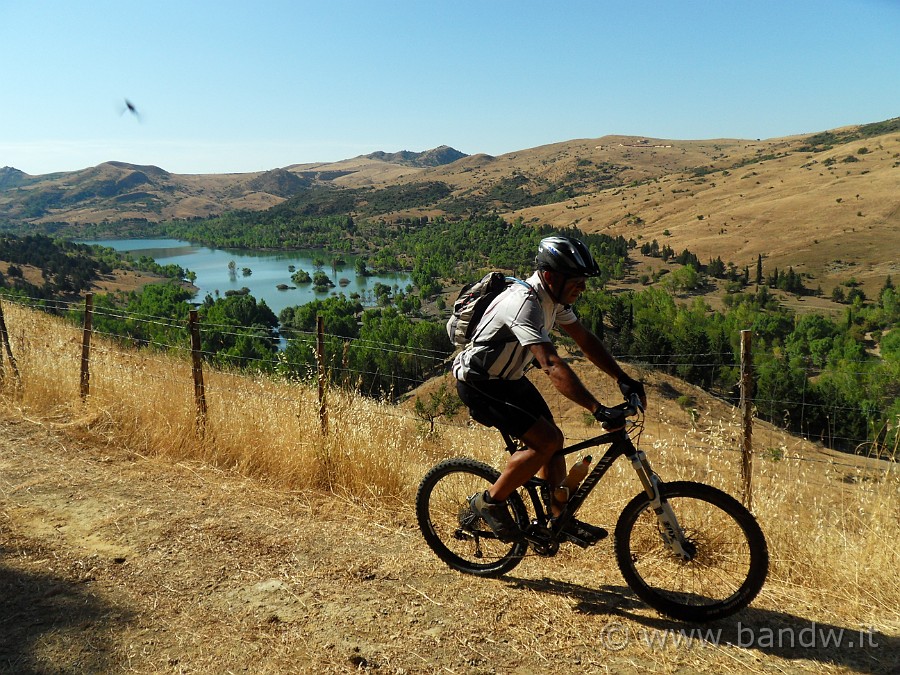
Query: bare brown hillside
[829,209]
[819,213]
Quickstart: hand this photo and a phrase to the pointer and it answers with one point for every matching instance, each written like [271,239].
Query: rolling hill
[825,203]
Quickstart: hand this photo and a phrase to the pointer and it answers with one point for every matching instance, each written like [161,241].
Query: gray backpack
[472,302]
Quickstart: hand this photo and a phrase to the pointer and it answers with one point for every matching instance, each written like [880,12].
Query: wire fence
[337,369]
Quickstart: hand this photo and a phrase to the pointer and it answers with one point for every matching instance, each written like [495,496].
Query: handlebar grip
[634,402]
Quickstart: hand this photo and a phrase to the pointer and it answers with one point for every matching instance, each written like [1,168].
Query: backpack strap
[511,280]
[520,281]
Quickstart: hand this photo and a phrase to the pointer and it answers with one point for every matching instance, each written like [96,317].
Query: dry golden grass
[832,521]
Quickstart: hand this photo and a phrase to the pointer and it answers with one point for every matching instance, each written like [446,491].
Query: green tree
[686,278]
[301,277]
[157,316]
[299,325]
[856,296]
[691,344]
[321,281]
[812,339]
[440,403]
[394,353]
[238,331]
[780,386]
[716,268]
[382,294]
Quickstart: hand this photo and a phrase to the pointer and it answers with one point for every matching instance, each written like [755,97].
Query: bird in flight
[129,106]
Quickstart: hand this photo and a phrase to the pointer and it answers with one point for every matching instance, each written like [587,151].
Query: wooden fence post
[85,379]
[197,366]
[2,344]
[747,415]
[345,364]
[4,338]
[320,359]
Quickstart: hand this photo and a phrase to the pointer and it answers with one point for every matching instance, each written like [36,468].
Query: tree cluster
[816,376]
[66,268]
[380,351]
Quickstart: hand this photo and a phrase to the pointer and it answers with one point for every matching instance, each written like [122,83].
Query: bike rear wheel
[729,557]
[457,536]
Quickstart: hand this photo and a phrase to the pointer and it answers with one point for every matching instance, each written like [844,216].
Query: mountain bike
[689,550]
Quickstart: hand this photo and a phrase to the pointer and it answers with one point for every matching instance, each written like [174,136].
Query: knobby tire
[729,565]
[456,536]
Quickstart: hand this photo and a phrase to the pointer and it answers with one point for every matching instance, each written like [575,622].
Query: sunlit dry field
[832,521]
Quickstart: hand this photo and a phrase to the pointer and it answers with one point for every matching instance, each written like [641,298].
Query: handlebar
[613,417]
[634,404]
[631,407]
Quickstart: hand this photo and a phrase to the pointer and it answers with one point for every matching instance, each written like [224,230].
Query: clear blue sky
[238,86]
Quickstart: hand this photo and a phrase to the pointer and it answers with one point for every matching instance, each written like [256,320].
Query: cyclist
[514,331]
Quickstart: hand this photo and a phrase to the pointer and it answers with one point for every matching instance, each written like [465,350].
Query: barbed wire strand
[240,331]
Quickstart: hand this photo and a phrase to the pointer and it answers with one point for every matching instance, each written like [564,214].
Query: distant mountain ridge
[439,156]
[824,203]
[11,177]
[118,190]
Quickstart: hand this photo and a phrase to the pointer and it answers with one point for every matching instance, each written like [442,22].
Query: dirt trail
[111,562]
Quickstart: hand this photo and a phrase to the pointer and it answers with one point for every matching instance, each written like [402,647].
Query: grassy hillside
[831,521]
[824,203]
[833,213]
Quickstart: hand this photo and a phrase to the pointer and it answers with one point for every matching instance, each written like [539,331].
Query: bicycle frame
[620,444]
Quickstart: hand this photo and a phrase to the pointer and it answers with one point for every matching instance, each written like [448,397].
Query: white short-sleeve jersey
[519,317]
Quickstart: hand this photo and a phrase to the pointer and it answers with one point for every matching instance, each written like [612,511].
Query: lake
[268,269]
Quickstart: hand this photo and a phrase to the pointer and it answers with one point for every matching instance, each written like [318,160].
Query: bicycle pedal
[584,535]
[537,534]
[572,539]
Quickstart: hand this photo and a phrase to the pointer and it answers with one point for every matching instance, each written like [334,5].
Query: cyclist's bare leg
[543,440]
[554,472]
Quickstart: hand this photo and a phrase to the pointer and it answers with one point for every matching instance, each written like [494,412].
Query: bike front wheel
[457,536]
[728,559]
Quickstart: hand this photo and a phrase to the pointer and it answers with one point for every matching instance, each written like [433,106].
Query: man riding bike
[514,331]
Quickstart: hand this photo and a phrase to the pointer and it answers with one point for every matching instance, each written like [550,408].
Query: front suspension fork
[669,529]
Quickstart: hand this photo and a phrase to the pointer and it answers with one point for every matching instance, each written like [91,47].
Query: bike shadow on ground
[49,623]
[788,636]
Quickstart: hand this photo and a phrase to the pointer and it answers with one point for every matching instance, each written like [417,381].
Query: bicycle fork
[669,529]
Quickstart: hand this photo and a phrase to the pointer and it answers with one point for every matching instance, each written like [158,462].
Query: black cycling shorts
[512,406]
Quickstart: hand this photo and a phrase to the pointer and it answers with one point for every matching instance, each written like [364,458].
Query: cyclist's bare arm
[594,349]
[562,376]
